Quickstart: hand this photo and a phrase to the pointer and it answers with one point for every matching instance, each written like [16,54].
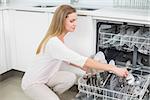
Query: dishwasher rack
[126,42]
[101,86]
[140,4]
[129,41]
[124,37]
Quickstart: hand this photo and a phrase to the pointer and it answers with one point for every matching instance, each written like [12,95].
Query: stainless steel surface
[4,1]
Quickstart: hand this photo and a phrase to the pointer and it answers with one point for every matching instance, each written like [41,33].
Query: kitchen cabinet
[81,41]
[10,48]
[8,40]
[29,27]
[3,66]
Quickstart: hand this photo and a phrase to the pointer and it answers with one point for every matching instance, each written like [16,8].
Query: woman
[44,80]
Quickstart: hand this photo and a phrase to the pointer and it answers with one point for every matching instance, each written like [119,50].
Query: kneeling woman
[44,81]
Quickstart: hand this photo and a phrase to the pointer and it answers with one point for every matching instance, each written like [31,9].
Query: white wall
[97,2]
[41,1]
[83,2]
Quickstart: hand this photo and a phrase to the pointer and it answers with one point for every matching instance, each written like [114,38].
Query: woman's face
[70,22]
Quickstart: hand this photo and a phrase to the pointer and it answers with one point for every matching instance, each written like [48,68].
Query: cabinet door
[83,39]
[29,29]
[3,67]
[8,41]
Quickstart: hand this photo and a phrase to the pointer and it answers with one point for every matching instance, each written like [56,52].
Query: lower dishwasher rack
[102,86]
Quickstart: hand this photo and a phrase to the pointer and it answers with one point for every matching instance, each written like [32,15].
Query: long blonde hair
[57,25]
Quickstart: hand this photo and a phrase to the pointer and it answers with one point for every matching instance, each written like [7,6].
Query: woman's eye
[71,21]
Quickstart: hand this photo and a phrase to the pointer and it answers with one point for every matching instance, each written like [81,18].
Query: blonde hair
[57,25]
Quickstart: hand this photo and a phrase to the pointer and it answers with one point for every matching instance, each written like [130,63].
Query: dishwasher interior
[128,44]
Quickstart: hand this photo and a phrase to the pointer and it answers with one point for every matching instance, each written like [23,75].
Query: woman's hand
[122,72]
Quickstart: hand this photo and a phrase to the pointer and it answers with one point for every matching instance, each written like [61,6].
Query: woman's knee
[40,92]
[64,77]
[70,78]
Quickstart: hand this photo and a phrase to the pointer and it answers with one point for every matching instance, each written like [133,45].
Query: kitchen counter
[38,9]
[124,15]
[26,8]
[105,13]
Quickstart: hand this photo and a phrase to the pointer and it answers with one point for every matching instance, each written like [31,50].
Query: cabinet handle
[81,15]
[31,11]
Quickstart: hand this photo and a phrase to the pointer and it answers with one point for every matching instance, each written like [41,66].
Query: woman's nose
[75,23]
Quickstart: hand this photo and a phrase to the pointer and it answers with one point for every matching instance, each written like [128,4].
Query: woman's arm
[84,67]
[90,63]
[60,51]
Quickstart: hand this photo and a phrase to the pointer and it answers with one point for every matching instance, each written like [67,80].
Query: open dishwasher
[128,45]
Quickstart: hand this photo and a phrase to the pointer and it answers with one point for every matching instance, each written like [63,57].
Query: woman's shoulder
[53,38]
[54,41]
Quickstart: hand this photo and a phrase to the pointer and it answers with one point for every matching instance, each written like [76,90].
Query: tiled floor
[10,90]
